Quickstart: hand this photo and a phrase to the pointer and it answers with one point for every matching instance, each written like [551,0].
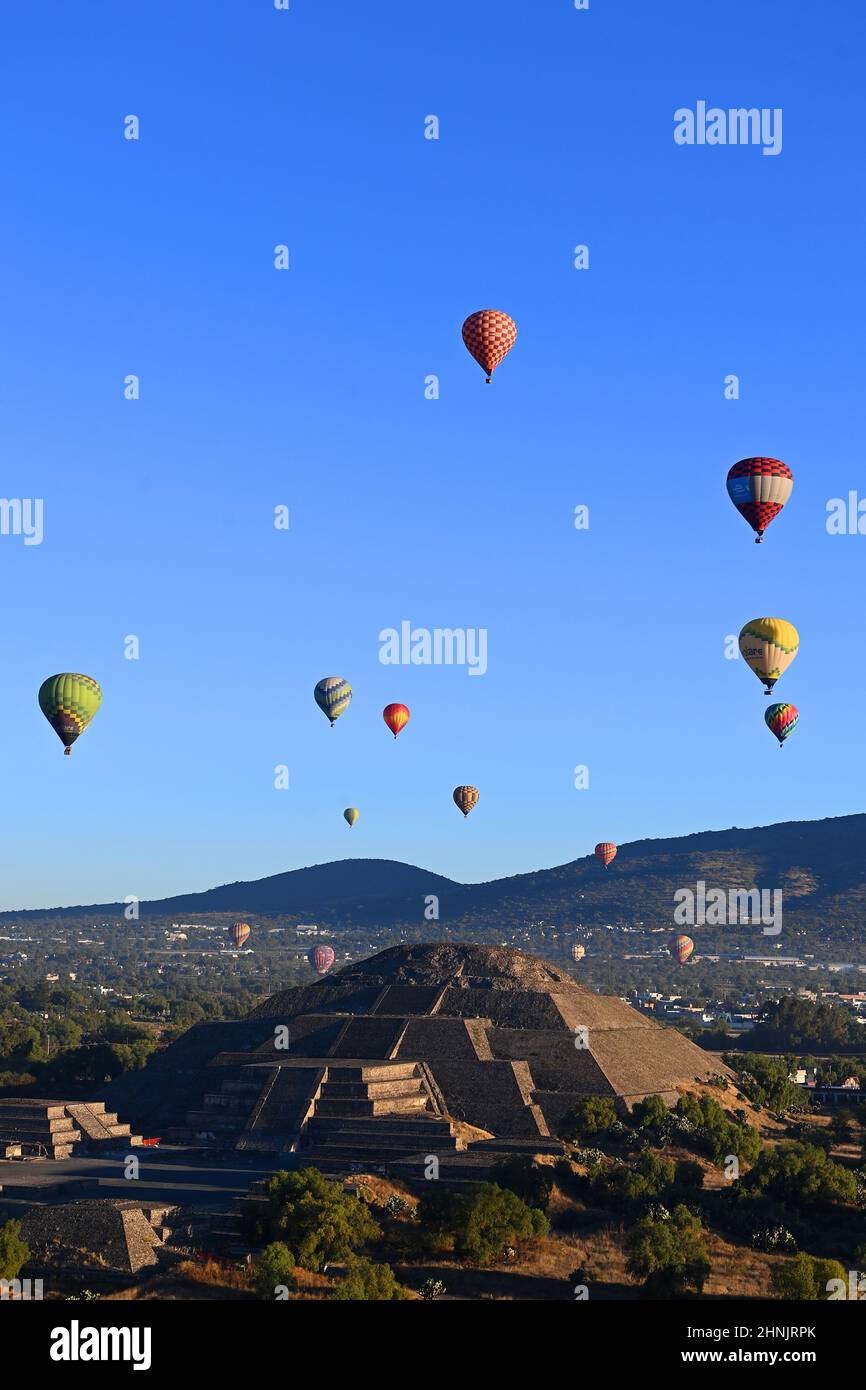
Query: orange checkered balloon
[489,335]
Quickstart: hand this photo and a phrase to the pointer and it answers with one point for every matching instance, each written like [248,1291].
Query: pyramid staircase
[32,1128]
[370,1115]
[98,1125]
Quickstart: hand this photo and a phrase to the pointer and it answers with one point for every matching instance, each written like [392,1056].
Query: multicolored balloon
[781,720]
[578,952]
[69,702]
[465,798]
[605,852]
[240,932]
[769,645]
[321,958]
[681,947]
[396,717]
[333,695]
[489,336]
[351,814]
[759,489]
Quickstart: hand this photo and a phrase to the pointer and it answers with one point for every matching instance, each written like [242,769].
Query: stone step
[410,1143]
[378,1124]
[396,1106]
[371,1153]
[372,1071]
[34,1126]
[372,1090]
[45,1108]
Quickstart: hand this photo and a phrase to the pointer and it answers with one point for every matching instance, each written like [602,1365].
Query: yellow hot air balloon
[769,645]
[578,952]
[69,702]
[350,815]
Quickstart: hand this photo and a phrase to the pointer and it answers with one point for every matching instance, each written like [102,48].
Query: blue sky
[306,388]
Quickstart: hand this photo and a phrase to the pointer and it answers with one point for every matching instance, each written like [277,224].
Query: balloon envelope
[240,932]
[681,947]
[333,695]
[321,958]
[605,851]
[465,798]
[69,702]
[396,717]
[489,335]
[578,952]
[759,489]
[769,645]
[351,814]
[781,720]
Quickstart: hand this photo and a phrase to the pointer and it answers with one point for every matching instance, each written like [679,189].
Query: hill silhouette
[820,866]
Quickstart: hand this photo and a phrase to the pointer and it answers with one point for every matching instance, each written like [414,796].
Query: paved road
[170,1174]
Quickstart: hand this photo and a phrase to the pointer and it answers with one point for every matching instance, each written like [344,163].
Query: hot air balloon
[781,720]
[333,695]
[240,932]
[759,489]
[605,852]
[578,952]
[396,717]
[321,958]
[681,947]
[351,814]
[69,702]
[465,798]
[489,335]
[769,645]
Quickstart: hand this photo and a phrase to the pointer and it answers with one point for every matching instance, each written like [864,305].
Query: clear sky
[305,388]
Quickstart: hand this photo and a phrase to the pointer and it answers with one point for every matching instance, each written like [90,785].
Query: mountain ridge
[819,865]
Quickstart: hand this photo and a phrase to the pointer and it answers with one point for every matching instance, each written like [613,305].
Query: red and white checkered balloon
[489,335]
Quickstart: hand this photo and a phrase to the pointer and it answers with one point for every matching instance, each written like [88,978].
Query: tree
[14,1252]
[802,1175]
[318,1220]
[274,1267]
[668,1254]
[766,1081]
[591,1115]
[496,1218]
[649,1111]
[367,1283]
[520,1174]
[805,1277]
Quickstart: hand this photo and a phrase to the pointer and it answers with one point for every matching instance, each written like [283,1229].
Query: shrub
[274,1267]
[669,1254]
[14,1252]
[804,1277]
[432,1289]
[591,1115]
[369,1283]
[317,1220]
[774,1240]
[801,1175]
[528,1179]
[496,1218]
